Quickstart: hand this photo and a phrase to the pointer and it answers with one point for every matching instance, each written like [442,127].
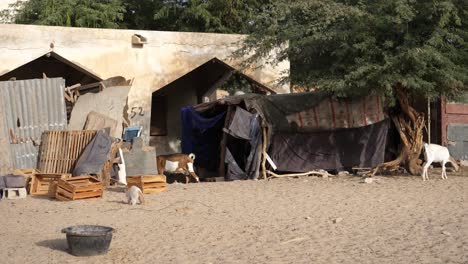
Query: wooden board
[148,183]
[83,187]
[46,184]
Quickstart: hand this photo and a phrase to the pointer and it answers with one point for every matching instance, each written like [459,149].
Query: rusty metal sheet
[331,114]
[31,107]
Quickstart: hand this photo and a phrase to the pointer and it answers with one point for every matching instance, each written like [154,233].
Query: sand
[398,219]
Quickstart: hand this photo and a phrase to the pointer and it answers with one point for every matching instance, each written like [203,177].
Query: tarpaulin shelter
[301,132]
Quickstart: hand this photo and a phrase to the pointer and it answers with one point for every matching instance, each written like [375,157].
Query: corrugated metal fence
[29,107]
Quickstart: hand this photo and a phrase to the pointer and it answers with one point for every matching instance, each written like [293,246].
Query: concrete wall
[108,53]
[181,96]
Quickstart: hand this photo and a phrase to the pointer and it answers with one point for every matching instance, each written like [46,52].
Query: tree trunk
[410,125]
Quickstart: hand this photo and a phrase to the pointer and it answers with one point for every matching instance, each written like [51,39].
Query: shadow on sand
[59,244]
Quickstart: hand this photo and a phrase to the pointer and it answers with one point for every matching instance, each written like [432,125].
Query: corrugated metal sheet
[33,106]
[6,163]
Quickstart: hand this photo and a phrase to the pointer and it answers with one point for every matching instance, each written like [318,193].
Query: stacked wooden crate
[46,183]
[82,187]
[148,183]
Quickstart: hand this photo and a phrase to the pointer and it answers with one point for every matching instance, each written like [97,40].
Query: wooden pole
[309,173]
[264,172]
[428,121]
[259,159]
[222,155]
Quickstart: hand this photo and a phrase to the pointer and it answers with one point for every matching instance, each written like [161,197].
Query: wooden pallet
[46,183]
[148,183]
[82,187]
[61,149]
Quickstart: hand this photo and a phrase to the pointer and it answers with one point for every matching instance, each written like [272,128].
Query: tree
[351,48]
[73,13]
[219,16]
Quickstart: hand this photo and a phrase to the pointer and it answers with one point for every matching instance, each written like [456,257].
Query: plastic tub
[88,240]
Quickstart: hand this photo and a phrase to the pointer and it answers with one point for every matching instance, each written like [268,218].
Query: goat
[177,163]
[436,153]
[134,194]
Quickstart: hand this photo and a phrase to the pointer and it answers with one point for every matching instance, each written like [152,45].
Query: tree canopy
[220,16]
[356,47]
[73,13]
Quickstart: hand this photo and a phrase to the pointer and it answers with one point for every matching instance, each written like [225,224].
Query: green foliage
[356,47]
[74,13]
[221,16]
[139,14]
[236,83]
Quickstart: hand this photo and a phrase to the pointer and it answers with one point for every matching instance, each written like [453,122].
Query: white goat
[436,153]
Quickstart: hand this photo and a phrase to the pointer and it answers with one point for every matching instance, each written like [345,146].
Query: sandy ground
[297,220]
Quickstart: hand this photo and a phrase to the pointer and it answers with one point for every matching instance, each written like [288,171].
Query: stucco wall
[107,53]
[178,98]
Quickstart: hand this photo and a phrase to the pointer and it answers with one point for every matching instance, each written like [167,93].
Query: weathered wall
[178,98]
[454,127]
[107,53]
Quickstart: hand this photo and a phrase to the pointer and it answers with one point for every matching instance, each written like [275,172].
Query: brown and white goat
[177,163]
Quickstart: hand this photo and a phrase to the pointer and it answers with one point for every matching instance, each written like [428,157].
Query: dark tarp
[95,155]
[201,135]
[245,126]
[234,172]
[345,133]
[330,150]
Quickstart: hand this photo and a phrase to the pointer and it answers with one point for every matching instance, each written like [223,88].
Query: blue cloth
[201,136]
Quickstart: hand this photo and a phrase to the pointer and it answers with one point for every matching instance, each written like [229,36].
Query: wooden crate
[148,183]
[46,183]
[82,187]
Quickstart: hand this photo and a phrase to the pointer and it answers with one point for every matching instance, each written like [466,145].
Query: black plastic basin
[88,240]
